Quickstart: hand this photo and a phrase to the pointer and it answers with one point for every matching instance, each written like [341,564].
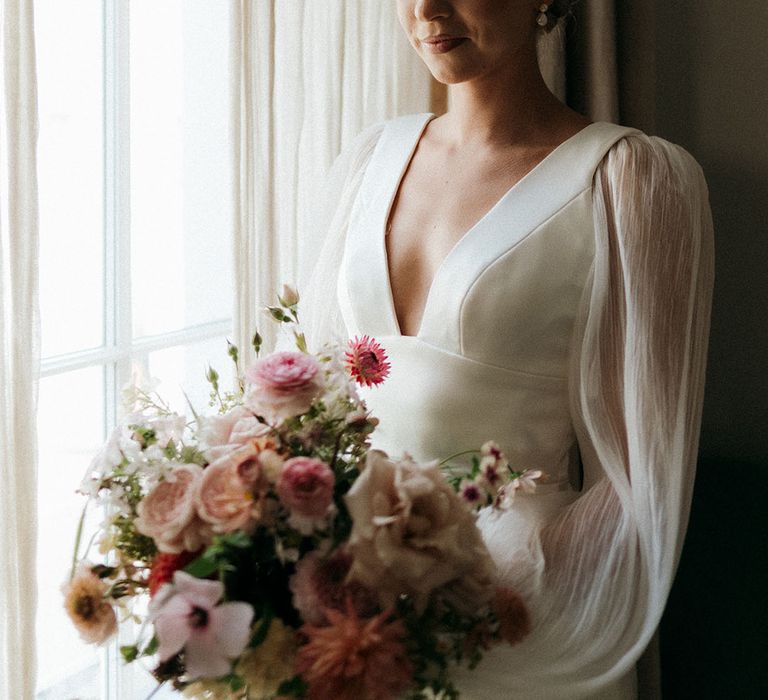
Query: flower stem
[78,537]
[458,454]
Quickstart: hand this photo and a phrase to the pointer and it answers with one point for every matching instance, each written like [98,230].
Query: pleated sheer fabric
[19,349]
[311,75]
[637,378]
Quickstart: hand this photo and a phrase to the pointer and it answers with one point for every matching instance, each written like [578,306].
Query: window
[136,177]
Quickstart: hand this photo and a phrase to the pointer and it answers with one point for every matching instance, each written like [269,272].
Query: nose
[429,10]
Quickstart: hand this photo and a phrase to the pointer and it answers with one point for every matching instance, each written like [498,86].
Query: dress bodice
[570,322]
[491,357]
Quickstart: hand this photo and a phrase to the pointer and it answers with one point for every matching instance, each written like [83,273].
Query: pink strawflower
[187,617]
[283,385]
[366,361]
[305,487]
[353,658]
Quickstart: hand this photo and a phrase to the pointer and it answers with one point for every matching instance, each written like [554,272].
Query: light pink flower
[366,361]
[525,482]
[305,487]
[283,385]
[168,514]
[230,491]
[186,617]
[236,427]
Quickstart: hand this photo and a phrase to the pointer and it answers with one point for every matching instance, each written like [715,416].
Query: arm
[637,386]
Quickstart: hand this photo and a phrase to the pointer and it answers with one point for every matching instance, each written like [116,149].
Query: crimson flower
[366,361]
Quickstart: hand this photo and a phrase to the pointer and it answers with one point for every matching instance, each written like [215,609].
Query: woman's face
[460,40]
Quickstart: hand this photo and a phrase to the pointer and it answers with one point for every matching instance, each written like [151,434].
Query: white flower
[186,616]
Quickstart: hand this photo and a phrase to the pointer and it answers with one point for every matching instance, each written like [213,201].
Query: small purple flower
[186,616]
[490,475]
[471,492]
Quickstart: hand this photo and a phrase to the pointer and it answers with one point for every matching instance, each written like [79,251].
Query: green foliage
[219,556]
[263,629]
[130,542]
[293,688]
[129,652]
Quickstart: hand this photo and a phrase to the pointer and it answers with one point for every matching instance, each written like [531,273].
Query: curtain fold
[312,76]
[20,348]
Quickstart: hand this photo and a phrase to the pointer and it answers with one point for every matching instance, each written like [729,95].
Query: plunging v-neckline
[464,238]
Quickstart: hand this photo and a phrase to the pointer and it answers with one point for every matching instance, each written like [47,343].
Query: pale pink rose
[305,487]
[168,514]
[412,535]
[283,385]
[236,427]
[230,492]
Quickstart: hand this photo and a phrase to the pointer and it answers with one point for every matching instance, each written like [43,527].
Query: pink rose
[237,426]
[229,492]
[168,515]
[305,487]
[283,385]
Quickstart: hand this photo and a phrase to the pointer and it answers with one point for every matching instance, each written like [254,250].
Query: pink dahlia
[354,658]
[366,361]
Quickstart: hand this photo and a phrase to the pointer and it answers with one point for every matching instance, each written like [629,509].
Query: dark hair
[560,9]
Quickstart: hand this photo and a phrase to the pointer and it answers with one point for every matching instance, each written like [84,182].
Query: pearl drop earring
[542,20]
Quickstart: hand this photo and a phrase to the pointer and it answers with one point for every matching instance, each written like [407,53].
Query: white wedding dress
[569,325]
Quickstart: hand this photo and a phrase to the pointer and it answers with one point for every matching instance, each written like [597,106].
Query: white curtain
[19,348]
[312,75]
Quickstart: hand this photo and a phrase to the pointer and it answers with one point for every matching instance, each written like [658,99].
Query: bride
[544,282]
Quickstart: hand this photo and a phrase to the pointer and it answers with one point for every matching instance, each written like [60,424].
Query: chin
[450,74]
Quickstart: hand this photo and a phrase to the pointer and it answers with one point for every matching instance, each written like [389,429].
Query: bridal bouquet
[267,551]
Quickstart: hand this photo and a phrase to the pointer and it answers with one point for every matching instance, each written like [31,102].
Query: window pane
[68,441]
[70,158]
[181,164]
[182,369]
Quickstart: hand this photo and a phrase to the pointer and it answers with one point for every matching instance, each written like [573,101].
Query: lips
[442,43]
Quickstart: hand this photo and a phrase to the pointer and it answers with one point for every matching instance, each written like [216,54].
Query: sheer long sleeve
[637,389]
[607,560]
[320,312]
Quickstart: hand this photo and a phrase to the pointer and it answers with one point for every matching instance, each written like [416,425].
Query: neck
[503,108]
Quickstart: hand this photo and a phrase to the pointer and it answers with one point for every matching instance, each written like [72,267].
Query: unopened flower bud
[289,297]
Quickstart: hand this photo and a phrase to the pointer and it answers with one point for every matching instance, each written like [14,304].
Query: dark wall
[700,77]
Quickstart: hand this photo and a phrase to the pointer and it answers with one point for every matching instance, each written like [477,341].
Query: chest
[440,198]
